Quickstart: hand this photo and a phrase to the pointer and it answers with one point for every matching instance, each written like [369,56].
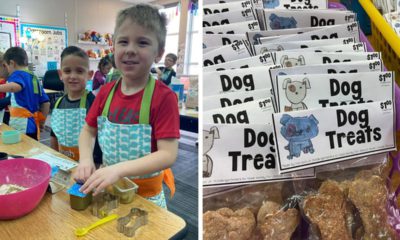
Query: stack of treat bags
[298,120]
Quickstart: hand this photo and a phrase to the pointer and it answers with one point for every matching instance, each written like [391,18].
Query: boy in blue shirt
[29,103]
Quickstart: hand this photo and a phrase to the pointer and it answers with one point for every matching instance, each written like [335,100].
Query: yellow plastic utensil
[83,231]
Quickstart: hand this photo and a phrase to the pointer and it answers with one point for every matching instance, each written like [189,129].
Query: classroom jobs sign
[236,154]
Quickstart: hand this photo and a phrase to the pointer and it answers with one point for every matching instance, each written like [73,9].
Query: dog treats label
[254,112]
[291,4]
[236,154]
[228,17]
[283,19]
[218,7]
[218,40]
[239,80]
[254,37]
[303,45]
[233,28]
[294,59]
[265,60]
[343,67]
[330,32]
[301,92]
[357,47]
[321,136]
[236,50]
[234,98]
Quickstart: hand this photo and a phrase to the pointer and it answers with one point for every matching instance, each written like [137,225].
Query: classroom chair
[52,81]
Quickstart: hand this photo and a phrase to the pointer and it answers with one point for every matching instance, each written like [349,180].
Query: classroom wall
[82,15]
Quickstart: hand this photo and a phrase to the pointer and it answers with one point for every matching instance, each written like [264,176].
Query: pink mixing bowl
[29,173]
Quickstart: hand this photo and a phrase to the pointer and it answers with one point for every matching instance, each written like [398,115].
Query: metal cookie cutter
[103,203]
[131,222]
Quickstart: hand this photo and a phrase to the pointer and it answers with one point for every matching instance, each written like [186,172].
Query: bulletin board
[43,45]
[9,29]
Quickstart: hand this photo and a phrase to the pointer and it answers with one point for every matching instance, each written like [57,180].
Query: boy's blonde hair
[146,16]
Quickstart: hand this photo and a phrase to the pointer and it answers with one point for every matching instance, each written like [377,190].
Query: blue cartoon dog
[270,3]
[298,131]
[282,22]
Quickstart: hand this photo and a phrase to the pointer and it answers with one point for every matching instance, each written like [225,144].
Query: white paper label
[234,28]
[228,17]
[350,30]
[293,59]
[321,136]
[218,40]
[284,46]
[238,80]
[255,112]
[283,19]
[236,50]
[265,59]
[300,92]
[234,98]
[235,154]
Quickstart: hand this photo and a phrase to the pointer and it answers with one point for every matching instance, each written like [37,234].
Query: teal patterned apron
[123,142]
[67,125]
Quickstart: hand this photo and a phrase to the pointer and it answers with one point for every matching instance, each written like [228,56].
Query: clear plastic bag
[344,201]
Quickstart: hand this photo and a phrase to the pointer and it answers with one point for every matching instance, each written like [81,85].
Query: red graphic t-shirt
[164,112]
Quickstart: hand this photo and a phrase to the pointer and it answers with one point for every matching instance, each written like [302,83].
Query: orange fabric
[71,152]
[24,113]
[149,187]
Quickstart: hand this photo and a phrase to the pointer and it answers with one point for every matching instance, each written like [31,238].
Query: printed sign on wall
[9,27]
[43,45]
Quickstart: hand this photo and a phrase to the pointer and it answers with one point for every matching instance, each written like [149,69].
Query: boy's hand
[83,171]
[101,179]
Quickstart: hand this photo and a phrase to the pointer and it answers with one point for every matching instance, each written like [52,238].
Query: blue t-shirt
[26,98]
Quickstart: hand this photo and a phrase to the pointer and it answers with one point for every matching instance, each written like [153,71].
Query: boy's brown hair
[75,51]
[146,16]
[172,56]
[16,54]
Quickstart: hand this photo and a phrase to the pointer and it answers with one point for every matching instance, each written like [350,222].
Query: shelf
[93,43]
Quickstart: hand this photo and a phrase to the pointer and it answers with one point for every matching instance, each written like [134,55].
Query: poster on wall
[5,41]
[43,45]
[9,37]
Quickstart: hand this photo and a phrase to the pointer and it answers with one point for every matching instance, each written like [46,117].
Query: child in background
[114,73]
[166,73]
[99,78]
[4,99]
[136,117]
[68,116]
[29,103]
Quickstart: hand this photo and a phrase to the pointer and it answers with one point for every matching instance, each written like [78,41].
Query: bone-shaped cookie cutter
[139,218]
[103,203]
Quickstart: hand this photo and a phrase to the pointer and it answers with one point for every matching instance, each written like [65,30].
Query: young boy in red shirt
[136,118]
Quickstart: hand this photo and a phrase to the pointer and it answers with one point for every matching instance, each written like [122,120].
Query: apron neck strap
[144,115]
[82,101]
[35,82]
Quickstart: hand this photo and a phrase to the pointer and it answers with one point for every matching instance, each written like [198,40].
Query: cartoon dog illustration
[295,92]
[292,62]
[298,131]
[278,48]
[282,22]
[270,3]
[208,142]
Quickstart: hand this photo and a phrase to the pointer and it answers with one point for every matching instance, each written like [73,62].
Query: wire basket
[384,38]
